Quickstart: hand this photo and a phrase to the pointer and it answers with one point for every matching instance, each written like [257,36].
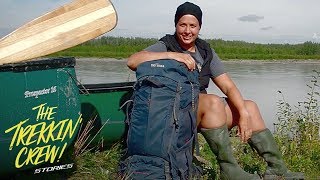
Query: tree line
[122,47]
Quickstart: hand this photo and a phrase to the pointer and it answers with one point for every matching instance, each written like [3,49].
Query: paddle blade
[65,27]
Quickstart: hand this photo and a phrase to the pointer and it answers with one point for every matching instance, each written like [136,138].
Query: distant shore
[224,61]
[117,47]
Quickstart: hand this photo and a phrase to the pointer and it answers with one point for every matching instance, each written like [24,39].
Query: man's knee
[211,112]
[251,106]
[212,102]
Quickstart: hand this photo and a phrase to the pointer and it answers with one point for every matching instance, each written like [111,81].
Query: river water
[258,81]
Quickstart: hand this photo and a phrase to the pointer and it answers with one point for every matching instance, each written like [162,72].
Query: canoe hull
[102,102]
[40,112]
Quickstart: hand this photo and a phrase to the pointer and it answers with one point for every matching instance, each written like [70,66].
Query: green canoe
[102,104]
[39,112]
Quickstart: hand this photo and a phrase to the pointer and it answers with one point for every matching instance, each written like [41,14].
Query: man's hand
[244,131]
[184,58]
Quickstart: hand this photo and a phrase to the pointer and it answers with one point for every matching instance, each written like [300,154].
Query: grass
[99,164]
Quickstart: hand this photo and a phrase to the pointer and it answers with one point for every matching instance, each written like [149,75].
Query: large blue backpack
[162,122]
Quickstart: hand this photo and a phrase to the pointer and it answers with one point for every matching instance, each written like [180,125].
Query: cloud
[266,28]
[316,37]
[251,18]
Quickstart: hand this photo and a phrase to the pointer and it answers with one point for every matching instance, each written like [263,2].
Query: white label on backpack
[157,65]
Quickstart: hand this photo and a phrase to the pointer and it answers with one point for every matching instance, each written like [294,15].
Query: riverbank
[296,134]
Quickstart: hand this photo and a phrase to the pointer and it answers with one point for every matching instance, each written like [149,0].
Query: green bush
[298,131]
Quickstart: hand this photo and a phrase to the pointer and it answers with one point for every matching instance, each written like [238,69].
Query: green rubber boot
[264,143]
[219,142]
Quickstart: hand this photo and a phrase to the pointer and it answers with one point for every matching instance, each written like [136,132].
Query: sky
[259,21]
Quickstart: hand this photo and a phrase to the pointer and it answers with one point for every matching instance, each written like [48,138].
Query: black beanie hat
[188,8]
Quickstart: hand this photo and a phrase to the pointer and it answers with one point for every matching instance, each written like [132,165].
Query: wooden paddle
[65,27]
